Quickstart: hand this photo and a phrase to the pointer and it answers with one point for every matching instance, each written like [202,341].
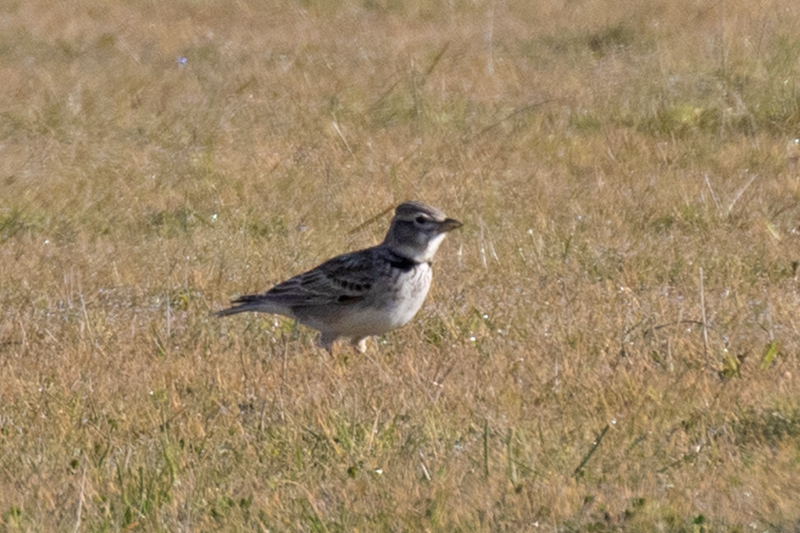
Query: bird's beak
[449,224]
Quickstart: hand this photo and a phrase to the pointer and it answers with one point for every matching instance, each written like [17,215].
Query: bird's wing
[343,280]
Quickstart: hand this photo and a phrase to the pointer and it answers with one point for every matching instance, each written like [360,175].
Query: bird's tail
[231,310]
[254,303]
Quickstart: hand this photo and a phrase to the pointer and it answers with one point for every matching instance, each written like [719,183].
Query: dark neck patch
[403,264]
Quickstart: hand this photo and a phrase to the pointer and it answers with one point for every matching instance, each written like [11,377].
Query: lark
[364,293]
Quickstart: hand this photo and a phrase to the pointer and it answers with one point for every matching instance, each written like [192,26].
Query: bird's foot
[360,344]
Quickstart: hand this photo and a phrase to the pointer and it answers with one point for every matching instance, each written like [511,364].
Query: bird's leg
[360,344]
[326,342]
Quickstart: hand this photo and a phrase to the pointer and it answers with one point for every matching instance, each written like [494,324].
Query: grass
[157,159]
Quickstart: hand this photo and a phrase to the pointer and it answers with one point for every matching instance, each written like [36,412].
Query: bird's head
[417,230]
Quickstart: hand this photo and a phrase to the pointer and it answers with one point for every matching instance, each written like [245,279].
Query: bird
[364,293]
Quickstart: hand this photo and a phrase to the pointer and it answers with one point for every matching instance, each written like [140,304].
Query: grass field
[611,342]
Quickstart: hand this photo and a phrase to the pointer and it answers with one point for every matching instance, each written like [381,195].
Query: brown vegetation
[616,164]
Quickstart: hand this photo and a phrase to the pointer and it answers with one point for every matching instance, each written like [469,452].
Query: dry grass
[601,155]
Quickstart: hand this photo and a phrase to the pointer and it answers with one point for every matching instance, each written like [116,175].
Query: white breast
[414,288]
[391,306]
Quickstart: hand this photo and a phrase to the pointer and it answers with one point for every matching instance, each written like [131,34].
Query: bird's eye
[420,220]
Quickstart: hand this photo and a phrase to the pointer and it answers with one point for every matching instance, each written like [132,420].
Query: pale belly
[395,307]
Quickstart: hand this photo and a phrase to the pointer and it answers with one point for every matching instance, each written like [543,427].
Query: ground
[611,342]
